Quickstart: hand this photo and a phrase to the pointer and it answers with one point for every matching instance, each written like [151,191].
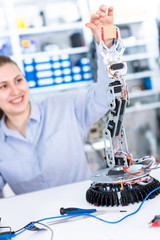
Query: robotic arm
[114,131]
[124,180]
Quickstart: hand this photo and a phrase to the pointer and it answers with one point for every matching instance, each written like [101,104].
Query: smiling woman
[4,60]
[42,144]
[14,95]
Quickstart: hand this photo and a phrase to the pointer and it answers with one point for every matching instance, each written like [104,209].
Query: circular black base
[106,194]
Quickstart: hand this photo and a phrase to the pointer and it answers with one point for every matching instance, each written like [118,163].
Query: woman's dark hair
[4,60]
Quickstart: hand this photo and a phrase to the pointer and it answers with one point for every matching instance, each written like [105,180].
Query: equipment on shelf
[124,180]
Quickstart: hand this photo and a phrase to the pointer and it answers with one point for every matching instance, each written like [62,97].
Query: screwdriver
[73,210]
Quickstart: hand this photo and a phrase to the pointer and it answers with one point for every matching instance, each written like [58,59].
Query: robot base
[107,194]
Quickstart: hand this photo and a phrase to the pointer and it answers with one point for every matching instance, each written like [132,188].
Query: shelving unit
[58,33]
[56,52]
[141,55]
[47,91]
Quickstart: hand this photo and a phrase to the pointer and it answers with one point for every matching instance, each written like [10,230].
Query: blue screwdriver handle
[73,210]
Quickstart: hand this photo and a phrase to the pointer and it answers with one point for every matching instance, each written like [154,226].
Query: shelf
[139,75]
[138,56]
[132,42]
[4,34]
[49,29]
[131,20]
[60,87]
[56,52]
[144,93]
[143,107]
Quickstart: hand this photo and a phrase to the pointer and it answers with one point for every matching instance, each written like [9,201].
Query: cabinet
[49,41]
[141,55]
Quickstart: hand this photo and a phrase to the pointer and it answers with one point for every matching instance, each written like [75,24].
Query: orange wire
[130,161]
[132,181]
[134,173]
[126,169]
[125,91]
[157,159]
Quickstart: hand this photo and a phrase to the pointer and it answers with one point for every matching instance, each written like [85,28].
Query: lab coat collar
[35,116]
[35,111]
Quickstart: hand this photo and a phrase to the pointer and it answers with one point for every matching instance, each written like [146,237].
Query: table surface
[19,210]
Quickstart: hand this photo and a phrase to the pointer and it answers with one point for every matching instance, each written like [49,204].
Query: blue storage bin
[84,64]
[29,72]
[76,70]
[57,73]
[86,68]
[44,74]
[32,84]
[56,65]
[28,46]
[28,61]
[65,64]
[58,80]
[83,61]
[65,57]
[55,58]
[5,48]
[45,82]
[42,59]
[87,76]
[43,66]
[67,78]
[148,83]
[66,71]
[77,77]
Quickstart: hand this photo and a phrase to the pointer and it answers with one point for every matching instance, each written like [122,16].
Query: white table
[19,210]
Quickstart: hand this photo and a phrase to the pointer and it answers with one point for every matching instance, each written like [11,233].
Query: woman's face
[14,92]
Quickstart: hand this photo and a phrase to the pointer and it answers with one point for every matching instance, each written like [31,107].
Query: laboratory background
[56,52]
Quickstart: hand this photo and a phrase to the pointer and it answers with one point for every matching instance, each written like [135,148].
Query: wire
[21,230]
[133,173]
[128,215]
[124,90]
[80,214]
[28,226]
[7,234]
[48,228]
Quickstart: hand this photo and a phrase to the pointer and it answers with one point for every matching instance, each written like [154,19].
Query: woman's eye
[3,86]
[18,80]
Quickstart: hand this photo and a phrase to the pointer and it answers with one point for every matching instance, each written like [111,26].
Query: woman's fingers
[103,8]
[102,17]
[91,26]
[110,11]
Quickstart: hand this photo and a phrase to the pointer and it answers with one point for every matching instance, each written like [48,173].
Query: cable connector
[5,235]
[155,222]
